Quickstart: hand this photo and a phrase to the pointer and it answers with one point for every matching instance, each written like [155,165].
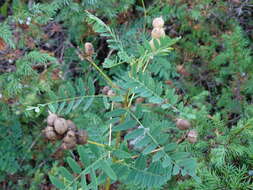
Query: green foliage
[200,71]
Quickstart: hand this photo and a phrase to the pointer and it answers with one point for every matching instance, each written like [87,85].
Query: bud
[192,136]
[158,22]
[183,124]
[157,33]
[89,50]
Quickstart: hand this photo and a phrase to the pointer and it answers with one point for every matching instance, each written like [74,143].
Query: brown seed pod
[68,146]
[89,49]
[71,125]
[158,22]
[50,133]
[51,118]
[105,90]
[157,33]
[70,137]
[183,124]
[139,100]
[60,126]
[82,137]
[111,93]
[192,136]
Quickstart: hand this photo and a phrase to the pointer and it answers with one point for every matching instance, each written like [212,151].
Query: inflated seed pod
[157,33]
[60,126]
[158,22]
[105,90]
[111,93]
[51,118]
[139,100]
[70,137]
[50,133]
[68,146]
[82,137]
[71,125]
[89,49]
[192,136]
[183,124]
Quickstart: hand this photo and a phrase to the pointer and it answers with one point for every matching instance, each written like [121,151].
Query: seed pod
[82,137]
[89,50]
[50,133]
[68,146]
[192,136]
[158,22]
[51,118]
[70,137]
[60,126]
[183,124]
[71,125]
[139,100]
[157,33]
[111,93]
[105,90]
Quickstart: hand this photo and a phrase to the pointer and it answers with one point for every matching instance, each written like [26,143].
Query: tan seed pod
[89,49]
[71,125]
[70,137]
[105,90]
[157,33]
[111,93]
[60,126]
[158,22]
[192,136]
[68,146]
[139,100]
[51,118]
[183,124]
[50,133]
[82,137]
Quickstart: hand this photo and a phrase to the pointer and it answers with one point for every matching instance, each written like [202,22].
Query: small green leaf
[65,173]
[56,182]
[176,170]
[105,166]
[166,162]
[121,154]
[74,165]
[134,134]
[84,157]
[115,113]
[124,126]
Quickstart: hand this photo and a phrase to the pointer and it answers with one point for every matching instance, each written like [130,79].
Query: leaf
[115,113]
[74,165]
[166,162]
[105,166]
[56,182]
[134,134]
[69,107]
[88,104]
[157,156]
[149,148]
[106,103]
[121,154]
[84,157]
[124,126]
[140,163]
[176,170]
[83,182]
[65,173]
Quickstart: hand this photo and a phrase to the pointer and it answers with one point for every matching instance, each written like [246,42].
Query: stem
[145,14]
[96,143]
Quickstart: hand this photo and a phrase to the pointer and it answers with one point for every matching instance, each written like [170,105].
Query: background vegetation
[127,95]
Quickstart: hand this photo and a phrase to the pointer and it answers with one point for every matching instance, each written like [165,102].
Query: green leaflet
[74,165]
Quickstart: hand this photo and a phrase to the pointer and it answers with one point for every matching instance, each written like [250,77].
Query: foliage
[200,71]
